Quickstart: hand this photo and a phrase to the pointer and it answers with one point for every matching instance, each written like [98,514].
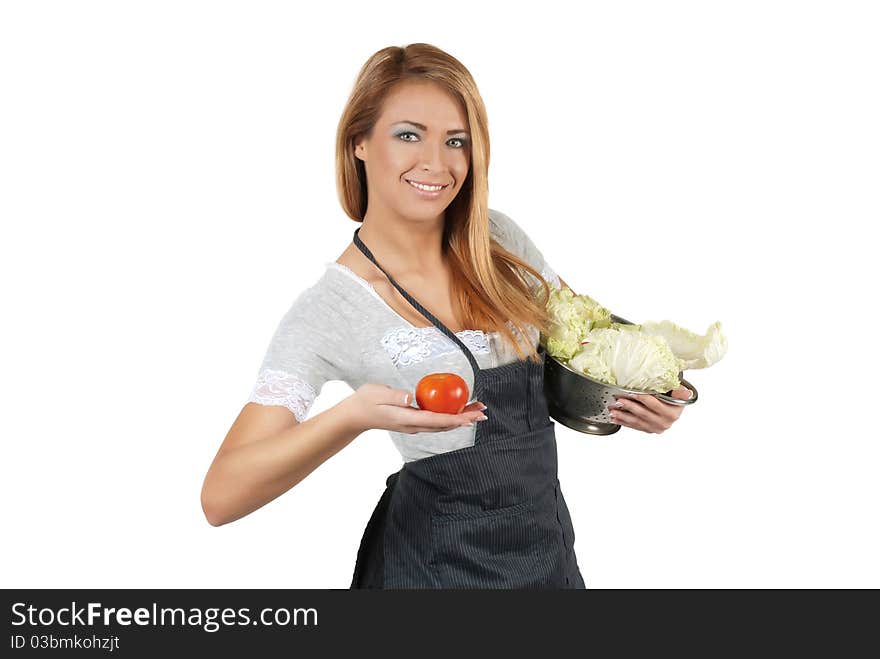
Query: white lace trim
[276,387]
[476,340]
[411,345]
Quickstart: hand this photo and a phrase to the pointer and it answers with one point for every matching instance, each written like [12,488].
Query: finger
[659,407]
[432,430]
[644,410]
[437,420]
[414,429]
[470,413]
[682,392]
[397,397]
[474,407]
[633,402]
[629,419]
[671,411]
[654,413]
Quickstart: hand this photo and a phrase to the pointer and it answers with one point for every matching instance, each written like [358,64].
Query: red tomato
[442,392]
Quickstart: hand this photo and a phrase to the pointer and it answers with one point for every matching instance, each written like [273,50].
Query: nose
[432,157]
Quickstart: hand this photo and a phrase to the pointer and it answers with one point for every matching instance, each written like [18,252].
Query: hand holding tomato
[383,407]
[442,392]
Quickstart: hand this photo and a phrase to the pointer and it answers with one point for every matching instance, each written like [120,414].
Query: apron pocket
[500,548]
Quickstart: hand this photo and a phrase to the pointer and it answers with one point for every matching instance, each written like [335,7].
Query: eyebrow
[423,127]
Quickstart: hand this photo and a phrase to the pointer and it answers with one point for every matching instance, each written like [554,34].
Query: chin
[423,211]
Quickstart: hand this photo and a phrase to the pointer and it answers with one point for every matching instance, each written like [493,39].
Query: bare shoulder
[354,260]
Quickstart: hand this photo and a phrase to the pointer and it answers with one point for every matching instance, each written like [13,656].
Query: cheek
[395,163]
[388,163]
[460,169]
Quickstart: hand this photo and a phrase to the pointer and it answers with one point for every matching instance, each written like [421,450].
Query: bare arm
[266,453]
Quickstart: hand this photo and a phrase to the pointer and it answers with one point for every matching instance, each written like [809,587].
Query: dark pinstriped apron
[491,515]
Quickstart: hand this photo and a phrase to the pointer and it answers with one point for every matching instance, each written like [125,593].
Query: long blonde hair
[489,283]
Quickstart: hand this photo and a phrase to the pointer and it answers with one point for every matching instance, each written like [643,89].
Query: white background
[167,189]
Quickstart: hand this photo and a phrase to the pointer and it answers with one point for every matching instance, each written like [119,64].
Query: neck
[404,245]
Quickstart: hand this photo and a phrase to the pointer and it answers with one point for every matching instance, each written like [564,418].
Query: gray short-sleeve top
[340,328]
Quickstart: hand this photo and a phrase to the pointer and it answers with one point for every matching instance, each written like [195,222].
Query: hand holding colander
[581,403]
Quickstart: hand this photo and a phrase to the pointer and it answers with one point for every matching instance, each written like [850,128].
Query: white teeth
[427,188]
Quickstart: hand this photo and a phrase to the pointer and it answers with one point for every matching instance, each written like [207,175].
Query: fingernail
[482,417]
[482,407]
[618,404]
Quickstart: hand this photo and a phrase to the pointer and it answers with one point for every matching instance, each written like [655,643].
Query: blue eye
[409,132]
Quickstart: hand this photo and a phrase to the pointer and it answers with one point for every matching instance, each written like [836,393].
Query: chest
[436,296]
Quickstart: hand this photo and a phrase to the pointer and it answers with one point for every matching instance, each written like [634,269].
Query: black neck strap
[427,314]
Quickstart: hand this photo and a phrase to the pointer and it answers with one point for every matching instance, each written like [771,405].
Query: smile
[427,188]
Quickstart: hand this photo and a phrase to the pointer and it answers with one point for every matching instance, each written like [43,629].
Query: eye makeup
[463,140]
[423,127]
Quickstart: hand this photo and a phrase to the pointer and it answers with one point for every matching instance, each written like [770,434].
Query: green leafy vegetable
[628,359]
[694,350]
[648,357]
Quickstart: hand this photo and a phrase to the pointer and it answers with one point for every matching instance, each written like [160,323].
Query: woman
[434,281]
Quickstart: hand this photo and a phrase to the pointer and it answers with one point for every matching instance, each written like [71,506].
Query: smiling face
[420,137]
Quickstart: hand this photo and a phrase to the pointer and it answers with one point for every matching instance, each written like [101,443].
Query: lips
[442,185]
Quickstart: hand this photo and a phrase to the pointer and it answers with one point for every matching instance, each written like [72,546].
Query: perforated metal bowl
[581,403]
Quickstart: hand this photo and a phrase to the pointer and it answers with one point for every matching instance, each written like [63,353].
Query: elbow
[210,509]
[213,518]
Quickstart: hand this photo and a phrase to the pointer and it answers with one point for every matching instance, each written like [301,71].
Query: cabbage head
[629,359]
[578,313]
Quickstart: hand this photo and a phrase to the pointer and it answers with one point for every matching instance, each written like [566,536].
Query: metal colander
[581,403]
